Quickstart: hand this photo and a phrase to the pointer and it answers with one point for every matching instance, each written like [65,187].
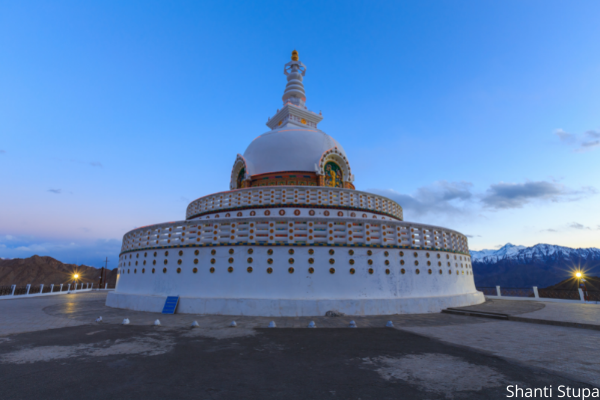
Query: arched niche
[239,174]
[333,164]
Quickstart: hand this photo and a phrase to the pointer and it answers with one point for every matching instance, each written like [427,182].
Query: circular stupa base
[295,307]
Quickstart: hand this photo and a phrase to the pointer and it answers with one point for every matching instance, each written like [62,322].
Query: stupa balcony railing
[294,231]
[293,196]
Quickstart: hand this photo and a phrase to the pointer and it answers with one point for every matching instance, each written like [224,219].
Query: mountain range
[541,265]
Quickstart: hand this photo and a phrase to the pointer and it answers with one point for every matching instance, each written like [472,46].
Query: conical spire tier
[294,110]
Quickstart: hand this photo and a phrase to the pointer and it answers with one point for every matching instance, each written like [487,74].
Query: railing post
[41,287]
[535,292]
[29,287]
[13,289]
[61,285]
[69,287]
[106,286]
[581,296]
[498,292]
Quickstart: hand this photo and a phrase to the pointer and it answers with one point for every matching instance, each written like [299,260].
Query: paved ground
[568,312]
[27,314]
[62,352]
[577,313]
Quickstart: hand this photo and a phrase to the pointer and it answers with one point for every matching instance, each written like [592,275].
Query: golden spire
[294,55]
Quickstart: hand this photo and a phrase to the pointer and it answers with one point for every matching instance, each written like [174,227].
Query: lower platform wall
[298,308]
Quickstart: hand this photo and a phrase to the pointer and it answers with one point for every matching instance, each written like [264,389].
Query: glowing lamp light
[578,274]
[76,276]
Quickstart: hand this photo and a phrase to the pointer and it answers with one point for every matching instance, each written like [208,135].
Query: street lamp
[581,279]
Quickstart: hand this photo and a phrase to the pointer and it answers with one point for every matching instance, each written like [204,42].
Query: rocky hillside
[37,270]
[541,265]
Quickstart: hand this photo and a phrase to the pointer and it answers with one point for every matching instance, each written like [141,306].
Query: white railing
[533,294]
[295,231]
[290,196]
[45,290]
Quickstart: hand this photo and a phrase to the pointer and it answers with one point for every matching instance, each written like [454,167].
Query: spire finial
[294,90]
[294,110]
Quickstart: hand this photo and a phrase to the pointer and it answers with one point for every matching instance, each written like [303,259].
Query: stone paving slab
[579,313]
[508,307]
[569,351]
[576,315]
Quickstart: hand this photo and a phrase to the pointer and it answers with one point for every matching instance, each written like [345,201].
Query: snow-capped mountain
[541,252]
[541,265]
[507,249]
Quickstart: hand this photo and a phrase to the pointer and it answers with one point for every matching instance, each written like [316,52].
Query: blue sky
[482,116]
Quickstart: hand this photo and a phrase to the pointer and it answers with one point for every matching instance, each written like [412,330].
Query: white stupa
[292,237]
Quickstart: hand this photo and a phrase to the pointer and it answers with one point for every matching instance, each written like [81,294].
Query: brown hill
[38,270]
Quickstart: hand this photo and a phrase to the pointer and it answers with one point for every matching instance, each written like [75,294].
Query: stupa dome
[295,152]
[289,148]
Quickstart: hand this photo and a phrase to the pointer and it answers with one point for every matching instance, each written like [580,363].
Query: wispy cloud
[515,195]
[450,199]
[572,225]
[473,236]
[91,163]
[577,225]
[565,137]
[55,191]
[586,142]
[2,151]
[441,197]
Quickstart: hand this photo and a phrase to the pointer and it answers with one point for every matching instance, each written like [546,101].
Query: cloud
[565,137]
[576,225]
[592,134]
[585,146]
[2,151]
[588,141]
[548,230]
[441,197]
[92,163]
[56,191]
[472,236]
[515,195]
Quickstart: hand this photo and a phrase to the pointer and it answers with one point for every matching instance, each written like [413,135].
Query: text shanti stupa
[292,237]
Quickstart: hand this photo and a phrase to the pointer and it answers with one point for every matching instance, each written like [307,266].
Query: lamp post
[581,284]
[75,276]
